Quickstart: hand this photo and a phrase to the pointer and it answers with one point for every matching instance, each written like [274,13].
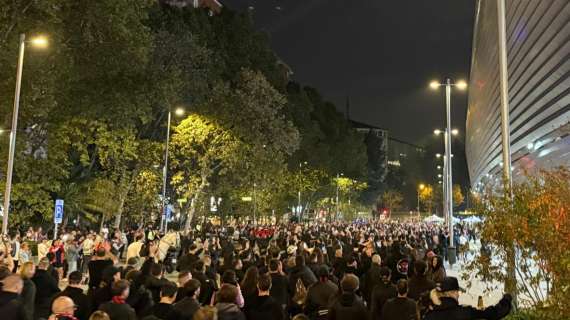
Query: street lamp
[461,85]
[420,188]
[37,42]
[163,221]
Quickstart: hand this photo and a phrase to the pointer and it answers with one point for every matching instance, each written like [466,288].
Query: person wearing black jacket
[401,307]
[348,306]
[75,292]
[164,309]
[207,285]
[140,298]
[105,293]
[188,305]
[419,283]
[264,307]
[96,267]
[46,289]
[155,281]
[445,298]
[372,278]
[301,271]
[320,295]
[382,292]
[117,308]
[279,283]
[11,306]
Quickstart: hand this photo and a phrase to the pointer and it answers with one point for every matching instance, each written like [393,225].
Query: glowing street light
[163,221]
[438,155]
[37,42]
[461,85]
[454,132]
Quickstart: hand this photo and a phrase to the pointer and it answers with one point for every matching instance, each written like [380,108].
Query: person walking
[74,291]
[117,308]
[320,295]
[401,307]
[28,295]
[382,292]
[46,288]
[419,284]
[348,305]
[263,306]
[11,305]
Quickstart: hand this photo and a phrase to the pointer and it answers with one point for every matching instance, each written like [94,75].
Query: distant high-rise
[538,50]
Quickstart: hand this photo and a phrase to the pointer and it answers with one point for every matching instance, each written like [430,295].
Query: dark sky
[380,53]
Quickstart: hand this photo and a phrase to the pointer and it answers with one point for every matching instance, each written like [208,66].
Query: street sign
[58,213]
[168,212]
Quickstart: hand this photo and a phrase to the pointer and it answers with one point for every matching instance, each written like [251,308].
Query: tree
[427,198]
[535,219]
[458,197]
[392,200]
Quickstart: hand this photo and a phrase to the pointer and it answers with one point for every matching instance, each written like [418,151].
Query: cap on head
[449,284]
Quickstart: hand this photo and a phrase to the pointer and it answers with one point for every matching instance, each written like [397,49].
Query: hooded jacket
[229,311]
[348,307]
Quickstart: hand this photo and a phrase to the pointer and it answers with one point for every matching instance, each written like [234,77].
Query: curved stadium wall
[538,50]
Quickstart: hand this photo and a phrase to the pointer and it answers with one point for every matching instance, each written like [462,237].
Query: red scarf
[118,300]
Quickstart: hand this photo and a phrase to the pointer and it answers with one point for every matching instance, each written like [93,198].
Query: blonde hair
[25,269]
[99,315]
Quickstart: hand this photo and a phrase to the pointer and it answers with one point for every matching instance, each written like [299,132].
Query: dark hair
[420,268]
[229,276]
[349,283]
[75,277]
[132,275]
[402,286]
[299,260]
[264,282]
[183,274]
[168,289]
[101,252]
[249,282]
[273,265]
[227,294]
[119,287]
[156,269]
[191,287]
[199,266]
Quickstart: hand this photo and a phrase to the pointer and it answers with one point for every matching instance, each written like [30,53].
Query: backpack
[300,295]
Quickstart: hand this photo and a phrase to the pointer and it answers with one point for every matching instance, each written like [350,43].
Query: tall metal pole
[165,175]
[451,249]
[510,283]
[504,92]
[300,211]
[13,130]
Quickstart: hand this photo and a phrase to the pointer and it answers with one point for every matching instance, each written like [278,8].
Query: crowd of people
[337,271]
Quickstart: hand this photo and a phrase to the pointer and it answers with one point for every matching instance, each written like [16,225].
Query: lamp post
[38,42]
[163,220]
[462,85]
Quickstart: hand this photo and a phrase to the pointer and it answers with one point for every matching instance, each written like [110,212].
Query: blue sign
[168,212]
[58,213]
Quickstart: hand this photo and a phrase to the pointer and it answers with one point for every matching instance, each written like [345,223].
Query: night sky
[380,53]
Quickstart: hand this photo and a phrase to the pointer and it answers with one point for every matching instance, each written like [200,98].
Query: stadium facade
[538,50]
